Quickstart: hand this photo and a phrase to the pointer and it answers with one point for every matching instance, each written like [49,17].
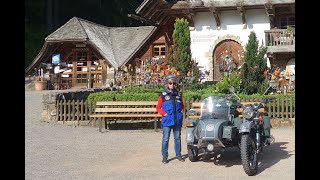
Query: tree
[254,64]
[181,54]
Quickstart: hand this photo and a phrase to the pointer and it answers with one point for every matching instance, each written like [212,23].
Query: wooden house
[82,52]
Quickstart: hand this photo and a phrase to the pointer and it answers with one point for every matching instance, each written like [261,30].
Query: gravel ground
[54,151]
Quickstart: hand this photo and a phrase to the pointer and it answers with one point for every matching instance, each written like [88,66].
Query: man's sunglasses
[174,83]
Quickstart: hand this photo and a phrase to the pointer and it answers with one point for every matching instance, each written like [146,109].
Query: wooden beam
[165,18]
[146,10]
[160,17]
[190,18]
[241,10]
[216,13]
[142,19]
[270,13]
[168,38]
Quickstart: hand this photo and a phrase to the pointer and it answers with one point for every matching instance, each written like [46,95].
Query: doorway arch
[227,49]
[291,66]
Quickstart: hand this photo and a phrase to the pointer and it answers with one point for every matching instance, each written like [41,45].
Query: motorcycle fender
[189,132]
[266,125]
[246,126]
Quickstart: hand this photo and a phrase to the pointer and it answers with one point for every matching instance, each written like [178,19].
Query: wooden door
[227,48]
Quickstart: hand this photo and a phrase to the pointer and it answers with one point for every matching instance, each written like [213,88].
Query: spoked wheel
[193,154]
[248,155]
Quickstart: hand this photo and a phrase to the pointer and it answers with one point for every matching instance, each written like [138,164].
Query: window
[285,21]
[159,50]
[82,56]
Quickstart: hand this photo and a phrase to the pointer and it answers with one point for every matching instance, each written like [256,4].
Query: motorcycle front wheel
[193,154]
[248,155]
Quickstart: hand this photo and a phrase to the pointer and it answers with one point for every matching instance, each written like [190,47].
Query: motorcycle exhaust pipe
[258,141]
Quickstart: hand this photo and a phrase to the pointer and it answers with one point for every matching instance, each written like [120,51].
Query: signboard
[56,69]
[55,58]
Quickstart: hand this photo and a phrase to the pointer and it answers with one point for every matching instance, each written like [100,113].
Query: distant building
[219,29]
[90,52]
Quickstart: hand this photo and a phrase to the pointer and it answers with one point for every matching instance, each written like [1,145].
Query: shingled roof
[116,44]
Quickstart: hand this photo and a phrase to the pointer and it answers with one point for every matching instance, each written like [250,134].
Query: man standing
[170,106]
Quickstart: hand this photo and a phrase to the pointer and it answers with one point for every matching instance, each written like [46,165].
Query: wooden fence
[72,110]
[78,110]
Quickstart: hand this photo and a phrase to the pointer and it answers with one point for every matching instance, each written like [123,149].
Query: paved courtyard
[54,151]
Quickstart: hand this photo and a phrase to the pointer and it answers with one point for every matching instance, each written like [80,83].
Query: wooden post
[282,111]
[73,110]
[294,107]
[291,108]
[274,109]
[78,109]
[278,107]
[100,124]
[86,109]
[287,107]
[106,123]
[57,110]
[64,110]
[69,110]
[82,109]
[94,119]
[60,110]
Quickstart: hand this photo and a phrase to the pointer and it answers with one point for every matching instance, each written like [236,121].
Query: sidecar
[216,127]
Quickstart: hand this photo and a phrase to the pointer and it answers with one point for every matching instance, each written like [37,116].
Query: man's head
[171,81]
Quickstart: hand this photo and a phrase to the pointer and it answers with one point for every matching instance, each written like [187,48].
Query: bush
[224,85]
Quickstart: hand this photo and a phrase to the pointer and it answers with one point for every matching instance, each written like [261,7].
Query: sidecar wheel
[193,154]
[248,156]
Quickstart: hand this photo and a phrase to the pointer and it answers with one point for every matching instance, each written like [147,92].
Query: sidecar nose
[210,147]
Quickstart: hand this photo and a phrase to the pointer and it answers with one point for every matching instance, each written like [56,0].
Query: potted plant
[40,83]
[290,31]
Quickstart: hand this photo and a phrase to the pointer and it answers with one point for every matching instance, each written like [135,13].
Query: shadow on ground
[270,156]
[133,126]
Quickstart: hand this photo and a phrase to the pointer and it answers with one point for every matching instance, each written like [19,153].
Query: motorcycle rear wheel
[248,156]
[193,154]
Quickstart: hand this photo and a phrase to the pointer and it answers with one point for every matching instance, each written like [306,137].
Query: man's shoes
[180,159]
[164,161]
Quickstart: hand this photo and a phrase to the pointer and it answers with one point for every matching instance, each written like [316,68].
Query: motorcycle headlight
[247,112]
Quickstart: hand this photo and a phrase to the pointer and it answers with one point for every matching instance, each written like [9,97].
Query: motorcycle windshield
[215,107]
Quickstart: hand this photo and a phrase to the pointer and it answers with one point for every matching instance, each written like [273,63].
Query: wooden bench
[197,107]
[111,110]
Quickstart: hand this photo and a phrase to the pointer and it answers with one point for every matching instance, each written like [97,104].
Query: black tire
[248,156]
[193,154]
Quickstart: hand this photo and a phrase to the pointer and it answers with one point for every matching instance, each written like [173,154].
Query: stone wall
[49,101]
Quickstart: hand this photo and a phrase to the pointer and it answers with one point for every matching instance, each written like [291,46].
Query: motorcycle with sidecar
[224,122]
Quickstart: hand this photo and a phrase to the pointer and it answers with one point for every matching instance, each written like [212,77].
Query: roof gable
[98,36]
[116,44]
[71,30]
[127,40]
